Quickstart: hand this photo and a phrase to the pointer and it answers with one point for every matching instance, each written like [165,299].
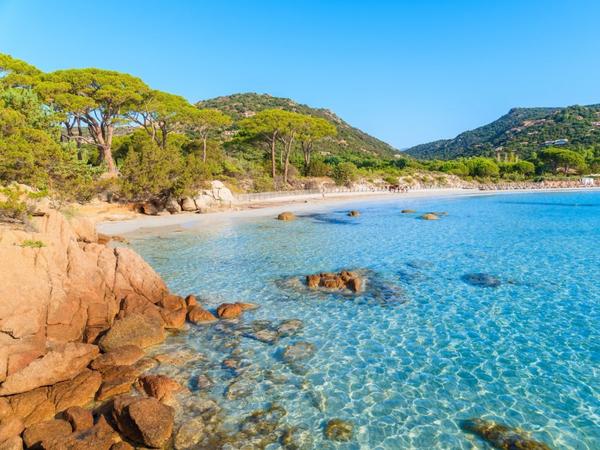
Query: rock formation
[286,216]
[500,436]
[335,281]
[74,317]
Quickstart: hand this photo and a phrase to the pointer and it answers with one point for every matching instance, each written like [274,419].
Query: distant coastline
[142,224]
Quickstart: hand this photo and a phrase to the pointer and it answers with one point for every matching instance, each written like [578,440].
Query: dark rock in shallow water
[338,430]
[481,280]
[500,436]
[296,438]
[419,264]
[298,352]
[239,388]
[289,327]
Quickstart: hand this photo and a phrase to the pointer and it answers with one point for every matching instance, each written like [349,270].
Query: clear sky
[407,72]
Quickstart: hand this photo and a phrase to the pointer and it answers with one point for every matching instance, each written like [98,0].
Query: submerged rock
[296,438]
[263,421]
[481,280]
[190,434]
[202,382]
[430,216]
[286,216]
[408,211]
[338,430]
[500,436]
[298,352]
[354,213]
[289,327]
[239,388]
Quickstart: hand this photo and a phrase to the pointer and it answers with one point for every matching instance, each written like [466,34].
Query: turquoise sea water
[422,349]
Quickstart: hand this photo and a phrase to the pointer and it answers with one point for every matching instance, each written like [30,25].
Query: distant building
[557,142]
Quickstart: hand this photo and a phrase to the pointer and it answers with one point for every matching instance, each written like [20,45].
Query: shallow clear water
[422,349]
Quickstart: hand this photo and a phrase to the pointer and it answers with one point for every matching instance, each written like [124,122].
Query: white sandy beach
[140,224]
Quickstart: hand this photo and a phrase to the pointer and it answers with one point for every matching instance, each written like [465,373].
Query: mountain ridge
[521,131]
[349,138]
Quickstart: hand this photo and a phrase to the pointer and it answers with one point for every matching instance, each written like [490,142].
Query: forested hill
[521,131]
[348,139]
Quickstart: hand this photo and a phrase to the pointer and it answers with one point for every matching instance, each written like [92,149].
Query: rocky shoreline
[76,318]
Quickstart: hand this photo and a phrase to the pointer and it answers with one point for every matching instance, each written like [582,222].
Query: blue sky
[407,72]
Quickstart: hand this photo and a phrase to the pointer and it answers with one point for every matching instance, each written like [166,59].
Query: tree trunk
[112,167]
[107,156]
[273,143]
[306,150]
[204,138]
[163,141]
[288,151]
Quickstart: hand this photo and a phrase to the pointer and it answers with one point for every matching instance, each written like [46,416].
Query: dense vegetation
[521,133]
[77,132]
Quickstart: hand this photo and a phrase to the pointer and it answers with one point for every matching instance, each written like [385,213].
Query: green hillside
[349,139]
[522,131]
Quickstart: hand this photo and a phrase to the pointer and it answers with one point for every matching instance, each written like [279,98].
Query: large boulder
[117,380]
[60,364]
[173,311]
[132,330]
[286,216]
[79,418]
[120,356]
[172,206]
[220,192]
[10,427]
[99,437]
[188,204]
[198,315]
[149,208]
[14,443]
[33,406]
[41,434]
[79,391]
[160,387]
[144,420]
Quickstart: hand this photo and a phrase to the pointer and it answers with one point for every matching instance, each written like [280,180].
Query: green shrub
[483,168]
[344,172]
[318,168]
[150,170]
[12,206]
[29,243]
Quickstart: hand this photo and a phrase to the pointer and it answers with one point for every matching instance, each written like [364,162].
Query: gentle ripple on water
[436,350]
